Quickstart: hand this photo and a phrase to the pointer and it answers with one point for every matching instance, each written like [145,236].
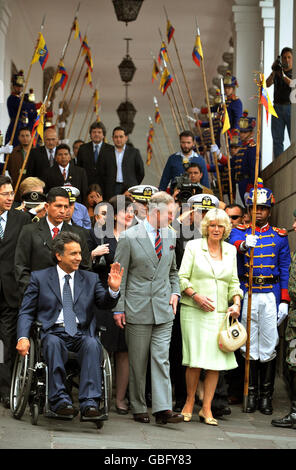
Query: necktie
[69,315]
[64,174]
[51,158]
[1,229]
[96,154]
[55,232]
[158,245]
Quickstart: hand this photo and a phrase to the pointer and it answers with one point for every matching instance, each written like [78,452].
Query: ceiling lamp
[127,68]
[127,10]
[126,112]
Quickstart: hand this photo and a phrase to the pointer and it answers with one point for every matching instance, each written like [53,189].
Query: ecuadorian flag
[197,53]
[170,31]
[41,52]
[265,100]
[165,81]
[62,75]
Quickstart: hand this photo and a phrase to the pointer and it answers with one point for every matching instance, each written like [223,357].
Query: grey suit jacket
[147,282]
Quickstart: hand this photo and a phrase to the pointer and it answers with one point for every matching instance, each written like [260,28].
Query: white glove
[251,241]
[215,149]
[6,148]
[282,313]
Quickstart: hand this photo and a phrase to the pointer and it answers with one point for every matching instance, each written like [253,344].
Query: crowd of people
[84,242]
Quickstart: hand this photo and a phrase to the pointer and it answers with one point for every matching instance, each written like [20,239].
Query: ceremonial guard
[270,296]
[233,103]
[28,112]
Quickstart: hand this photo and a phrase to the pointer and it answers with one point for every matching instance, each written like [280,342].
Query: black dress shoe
[90,412]
[121,411]
[66,409]
[142,417]
[167,416]
[288,421]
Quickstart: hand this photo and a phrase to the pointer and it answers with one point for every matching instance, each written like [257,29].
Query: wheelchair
[29,385]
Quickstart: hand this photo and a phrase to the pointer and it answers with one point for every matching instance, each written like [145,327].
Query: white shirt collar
[64,168]
[4,216]
[51,226]
[99,145]
[120,151]
[62,273]
[149,227]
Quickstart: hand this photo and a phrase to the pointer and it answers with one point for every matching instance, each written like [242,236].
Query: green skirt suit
[217,280]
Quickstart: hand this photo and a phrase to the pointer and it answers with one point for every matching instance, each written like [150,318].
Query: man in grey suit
[149,297]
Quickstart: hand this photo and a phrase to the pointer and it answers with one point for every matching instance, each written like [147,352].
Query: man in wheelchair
[62,299]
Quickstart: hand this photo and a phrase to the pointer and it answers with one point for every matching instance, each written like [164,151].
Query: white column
[268,17]
[5,15]
[248,33]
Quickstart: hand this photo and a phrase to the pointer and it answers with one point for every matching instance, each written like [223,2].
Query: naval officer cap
[142,192]
[73,192]
[204,202]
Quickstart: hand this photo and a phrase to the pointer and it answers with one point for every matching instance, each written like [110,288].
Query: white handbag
[233,336]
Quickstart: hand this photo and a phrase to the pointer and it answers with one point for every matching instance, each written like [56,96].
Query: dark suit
[132,170]
[76,177]
[9,294]
[38,162]
[33,251]
[43,302]
[86,160]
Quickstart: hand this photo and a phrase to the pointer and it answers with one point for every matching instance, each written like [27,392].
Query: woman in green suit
[209,283]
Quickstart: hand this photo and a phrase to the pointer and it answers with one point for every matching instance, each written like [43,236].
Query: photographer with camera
[281,78]
[178,163]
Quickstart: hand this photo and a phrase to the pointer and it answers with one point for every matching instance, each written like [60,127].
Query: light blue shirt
[80,216]
[152,232]
[119,157]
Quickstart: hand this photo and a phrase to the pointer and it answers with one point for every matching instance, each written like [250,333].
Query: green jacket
[197,272]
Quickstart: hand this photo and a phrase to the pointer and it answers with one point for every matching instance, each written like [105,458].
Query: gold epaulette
[281,231]
[243,226]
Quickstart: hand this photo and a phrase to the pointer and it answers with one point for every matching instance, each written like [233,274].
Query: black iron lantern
[127,68]
[126,113]
[127,10]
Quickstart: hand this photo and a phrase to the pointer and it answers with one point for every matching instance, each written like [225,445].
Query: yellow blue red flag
[197,53]
[41,52]
[265,100]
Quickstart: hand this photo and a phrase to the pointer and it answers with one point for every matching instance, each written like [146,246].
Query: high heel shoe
[187,416]
[204,419]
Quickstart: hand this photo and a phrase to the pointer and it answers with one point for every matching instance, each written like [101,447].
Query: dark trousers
[177,371]
[8,320]
[56,345]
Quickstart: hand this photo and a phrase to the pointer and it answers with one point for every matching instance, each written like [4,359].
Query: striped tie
[1,229]
[158,245]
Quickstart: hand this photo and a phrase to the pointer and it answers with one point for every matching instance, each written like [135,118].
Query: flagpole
[251,263]
[211,123]
[227,145]
[42,112]
[76,106]
[87,129]
[86,116]
[157,141]
[165,131]
[23,96]
[178,84]
[173,113]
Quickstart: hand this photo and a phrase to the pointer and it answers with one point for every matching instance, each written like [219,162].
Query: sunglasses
[234,217]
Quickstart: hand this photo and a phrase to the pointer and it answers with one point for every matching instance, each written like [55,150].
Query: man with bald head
[42,158]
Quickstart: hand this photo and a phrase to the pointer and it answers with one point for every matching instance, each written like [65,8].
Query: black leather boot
[267,376]
[253,387]
[289,421]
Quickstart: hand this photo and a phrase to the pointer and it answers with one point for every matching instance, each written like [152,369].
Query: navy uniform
[269,298]
[28,112]
[233,104]
[141,194]
[243,162]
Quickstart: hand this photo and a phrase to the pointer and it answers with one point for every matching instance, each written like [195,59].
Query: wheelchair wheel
[21,382]
[107,375]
